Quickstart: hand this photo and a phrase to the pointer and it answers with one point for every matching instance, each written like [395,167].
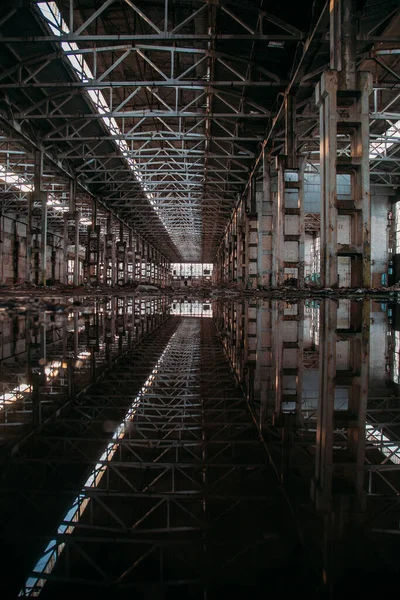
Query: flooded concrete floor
[188,447]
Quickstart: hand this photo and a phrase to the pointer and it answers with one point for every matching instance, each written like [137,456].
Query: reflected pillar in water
[264,379]
[338,485]
[287,359]
[343,100]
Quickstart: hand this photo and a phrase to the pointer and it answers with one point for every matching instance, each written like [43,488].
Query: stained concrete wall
[381,205]
[13,229]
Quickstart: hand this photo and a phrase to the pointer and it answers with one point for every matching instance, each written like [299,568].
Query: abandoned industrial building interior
[199,299]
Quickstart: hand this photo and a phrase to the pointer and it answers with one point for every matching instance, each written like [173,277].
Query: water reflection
[52,350]
[321,383]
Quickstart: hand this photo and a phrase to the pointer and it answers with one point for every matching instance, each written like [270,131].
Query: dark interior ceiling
[169,121]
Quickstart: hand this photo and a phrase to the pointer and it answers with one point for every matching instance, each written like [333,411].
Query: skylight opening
[53,18]
[58,27]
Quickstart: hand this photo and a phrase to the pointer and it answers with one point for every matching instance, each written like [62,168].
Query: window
[191,270]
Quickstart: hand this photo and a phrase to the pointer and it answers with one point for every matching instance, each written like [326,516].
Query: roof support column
[38,196]
[28,277]
[109,252]
[138,259]
[251,237]
[158,268]
[73,228]
[76,255]
[92,263]
[288,210]
[121,257]
[152,265]
[147,269]
[343,100]
[130,258]
[264,226]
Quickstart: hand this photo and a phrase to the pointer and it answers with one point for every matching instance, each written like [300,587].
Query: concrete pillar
[277,226]
[92,260]
[130,257]
[37,196]
[109,253]
[159,260]
[288,210]
[150,263]
[16,249]
[76,249]
[121,258]
[28,277]
[343,100]
[43,240]
[146,260]
[264,227]
[71,231]
[138,259]
[64,277]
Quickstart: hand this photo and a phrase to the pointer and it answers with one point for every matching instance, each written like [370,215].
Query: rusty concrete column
[290,131]
[264,224]
[110,254]
[76,249]
[121,257]
[277,226]
[64,278]
[39,197]
[71,231]
[343,100]
[43,239]
[288,209]
[28,277]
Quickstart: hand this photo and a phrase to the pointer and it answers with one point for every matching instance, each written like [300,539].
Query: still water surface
[197,448]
